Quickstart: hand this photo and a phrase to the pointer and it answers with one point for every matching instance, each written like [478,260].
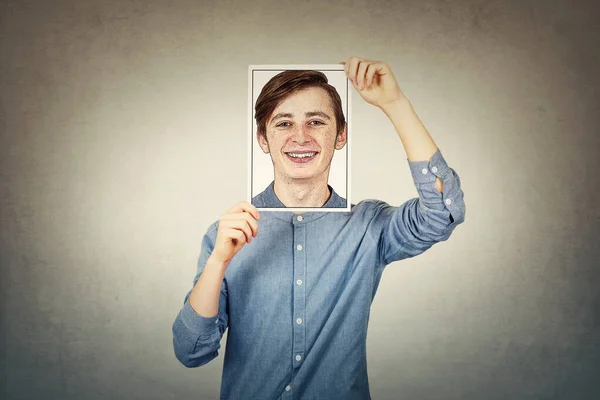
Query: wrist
[395,106]
[215,264]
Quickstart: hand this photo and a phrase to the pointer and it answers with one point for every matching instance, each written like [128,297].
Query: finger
[253,226]
[360,75]
[239,224]
[251,223]
[236,236]
[244,206]
[370,74]
[381,68]
[353,68]
[246,216]
[345,64]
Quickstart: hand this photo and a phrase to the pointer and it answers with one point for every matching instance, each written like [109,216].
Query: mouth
[301,157]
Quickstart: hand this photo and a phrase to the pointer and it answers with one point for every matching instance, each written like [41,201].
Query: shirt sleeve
[197,339]
[421,222]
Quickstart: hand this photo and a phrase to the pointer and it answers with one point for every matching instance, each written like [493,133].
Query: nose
[301,135]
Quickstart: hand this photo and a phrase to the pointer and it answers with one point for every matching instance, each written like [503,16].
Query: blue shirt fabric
[297,299]
[268,199]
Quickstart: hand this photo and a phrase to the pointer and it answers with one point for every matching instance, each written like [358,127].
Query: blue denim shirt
[297,298]
[268,199]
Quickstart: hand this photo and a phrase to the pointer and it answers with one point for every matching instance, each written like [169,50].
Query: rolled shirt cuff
[205,327]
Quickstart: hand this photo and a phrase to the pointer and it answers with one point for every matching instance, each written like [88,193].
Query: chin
[291,172]
[302,175]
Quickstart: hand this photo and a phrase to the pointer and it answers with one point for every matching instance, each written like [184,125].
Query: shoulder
[266,199]
[373,215]
[372,207]
[259,200]
[367,214]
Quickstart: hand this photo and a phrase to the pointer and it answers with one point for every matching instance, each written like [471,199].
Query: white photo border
[251,133]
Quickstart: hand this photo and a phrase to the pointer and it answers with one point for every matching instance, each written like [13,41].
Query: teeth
[301,155]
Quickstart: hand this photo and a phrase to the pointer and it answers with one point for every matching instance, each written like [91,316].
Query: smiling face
[301,136]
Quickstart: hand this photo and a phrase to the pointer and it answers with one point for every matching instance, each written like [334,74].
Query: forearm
[418,144]
[428,219]
[200,324]
[204,297]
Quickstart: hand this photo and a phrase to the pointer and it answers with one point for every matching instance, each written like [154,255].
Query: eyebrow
[308,115]
[282,115]
[317,114]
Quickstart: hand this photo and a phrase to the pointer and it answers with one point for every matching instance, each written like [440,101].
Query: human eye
[316,122]
[283,124]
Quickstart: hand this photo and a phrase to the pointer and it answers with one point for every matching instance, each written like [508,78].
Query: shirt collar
[269,199]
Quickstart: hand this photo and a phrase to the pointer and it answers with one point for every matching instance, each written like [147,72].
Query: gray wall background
[124,137]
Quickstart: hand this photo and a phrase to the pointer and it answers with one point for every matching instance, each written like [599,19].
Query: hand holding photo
[298,137]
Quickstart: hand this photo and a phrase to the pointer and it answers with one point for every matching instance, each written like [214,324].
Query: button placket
[448,199]
[298,359]
[299,292]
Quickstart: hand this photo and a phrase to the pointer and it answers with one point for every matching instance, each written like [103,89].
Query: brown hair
[287,82]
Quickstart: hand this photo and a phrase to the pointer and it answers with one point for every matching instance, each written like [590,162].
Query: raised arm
[419,223]
[377,85]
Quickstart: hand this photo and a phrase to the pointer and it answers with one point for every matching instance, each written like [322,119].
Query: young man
[295,290]
[300,124]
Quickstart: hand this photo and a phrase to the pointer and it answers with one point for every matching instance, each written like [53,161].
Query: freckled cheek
[320,135]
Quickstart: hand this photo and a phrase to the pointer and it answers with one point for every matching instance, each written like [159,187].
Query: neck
[302,192]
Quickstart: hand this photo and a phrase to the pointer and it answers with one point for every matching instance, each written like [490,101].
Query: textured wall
[124,136]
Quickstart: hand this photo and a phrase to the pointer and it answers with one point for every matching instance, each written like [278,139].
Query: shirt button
[299,282]
[434,169]
[288,388]
[448,201]
[298,357]
[299,218]
[299,247]
[424,171]
[299,321]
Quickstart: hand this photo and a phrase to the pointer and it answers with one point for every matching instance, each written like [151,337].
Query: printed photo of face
[299,138]
[302,135]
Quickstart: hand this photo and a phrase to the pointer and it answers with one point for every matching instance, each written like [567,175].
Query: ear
[262,142]
[342,138]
